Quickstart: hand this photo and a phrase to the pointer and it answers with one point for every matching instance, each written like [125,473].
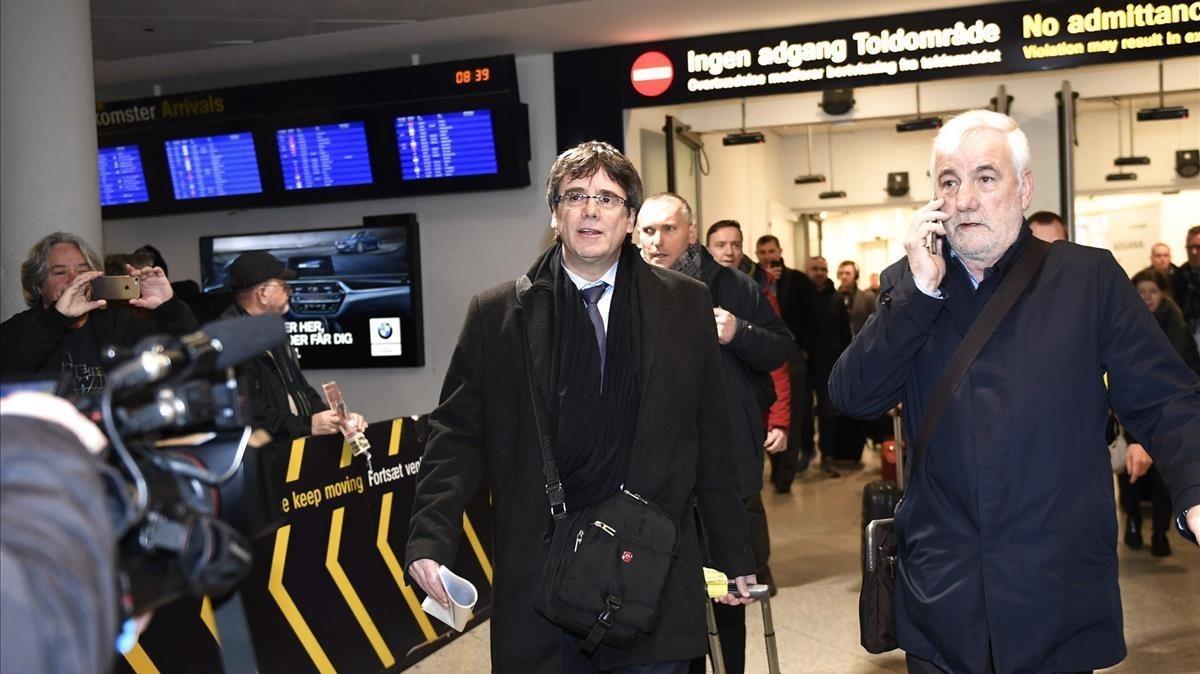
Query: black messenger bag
[607,569]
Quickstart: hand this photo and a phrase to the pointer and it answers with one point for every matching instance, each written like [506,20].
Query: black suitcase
[881,496]
[879,502]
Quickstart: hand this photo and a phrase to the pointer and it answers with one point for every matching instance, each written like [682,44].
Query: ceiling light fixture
[919,123]
[810,177]
[1162,112]
[832,193]
[744,137]
[1131,159]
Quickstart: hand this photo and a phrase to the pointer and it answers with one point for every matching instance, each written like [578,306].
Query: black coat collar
[535,307]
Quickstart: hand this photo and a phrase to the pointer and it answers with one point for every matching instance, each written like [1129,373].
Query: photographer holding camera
[58,602]
[65,329]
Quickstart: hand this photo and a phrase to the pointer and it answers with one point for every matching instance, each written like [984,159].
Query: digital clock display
[472,75]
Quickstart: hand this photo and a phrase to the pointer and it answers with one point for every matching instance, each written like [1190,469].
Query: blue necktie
[591,296]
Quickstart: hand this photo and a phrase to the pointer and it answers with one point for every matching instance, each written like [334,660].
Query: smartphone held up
[116,288]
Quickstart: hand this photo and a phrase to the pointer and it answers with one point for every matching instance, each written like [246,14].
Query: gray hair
[971,122]
[36,267]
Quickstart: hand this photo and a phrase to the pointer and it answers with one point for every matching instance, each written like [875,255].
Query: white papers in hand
[463,596]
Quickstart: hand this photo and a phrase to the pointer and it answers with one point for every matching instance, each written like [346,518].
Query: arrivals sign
[960,42]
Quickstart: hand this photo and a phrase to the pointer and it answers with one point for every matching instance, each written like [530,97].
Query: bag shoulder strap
[997,308]
[554,487]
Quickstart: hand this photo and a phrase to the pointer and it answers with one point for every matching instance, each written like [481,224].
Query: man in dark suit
[1007,532]
[798,308]
[753,341]
[626,355]
[1186,282]
[834,326]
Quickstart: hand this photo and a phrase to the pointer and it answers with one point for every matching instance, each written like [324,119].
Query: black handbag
[876,601]
[607,566]
[607,569]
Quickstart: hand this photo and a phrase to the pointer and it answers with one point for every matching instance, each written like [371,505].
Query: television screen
[329,155]
[446,145]
[357,300]
[213,166]
[122,180]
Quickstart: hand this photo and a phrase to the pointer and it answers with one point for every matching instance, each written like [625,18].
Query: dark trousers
[1131,496]
[785,464]
[731,620]
[828,415]
[920,666]
[575,662]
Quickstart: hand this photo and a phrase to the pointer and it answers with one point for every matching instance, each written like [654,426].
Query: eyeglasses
[284,286]
[576,200]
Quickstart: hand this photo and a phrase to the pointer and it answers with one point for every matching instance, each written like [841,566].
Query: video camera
[179,448]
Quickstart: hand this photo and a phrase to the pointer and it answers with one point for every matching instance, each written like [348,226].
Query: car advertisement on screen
[355,301]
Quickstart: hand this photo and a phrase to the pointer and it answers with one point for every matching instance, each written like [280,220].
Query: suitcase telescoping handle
[898,433]
[760,592]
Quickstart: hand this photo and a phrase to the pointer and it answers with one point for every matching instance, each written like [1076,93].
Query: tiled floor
[815,558]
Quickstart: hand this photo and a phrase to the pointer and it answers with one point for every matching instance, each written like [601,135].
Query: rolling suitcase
[881,496]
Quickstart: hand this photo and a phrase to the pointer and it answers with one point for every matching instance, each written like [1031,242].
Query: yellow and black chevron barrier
[328,591]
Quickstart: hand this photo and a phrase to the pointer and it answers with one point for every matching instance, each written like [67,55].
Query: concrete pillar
[48,176]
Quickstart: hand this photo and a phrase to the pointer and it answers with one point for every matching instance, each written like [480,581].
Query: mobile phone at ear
[931,242]
[116,288]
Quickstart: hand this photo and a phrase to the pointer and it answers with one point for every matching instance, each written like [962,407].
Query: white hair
[971,122]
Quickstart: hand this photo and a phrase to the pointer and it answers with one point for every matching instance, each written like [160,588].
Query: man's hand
[76,299]
[726,325]
[742,595]
[326,423]
[773,273]
[927,268]
[1193,520]
[424,571]
[776,441]
[156,288]
[1137,462]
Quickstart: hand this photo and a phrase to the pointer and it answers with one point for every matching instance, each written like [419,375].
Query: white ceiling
[124,29]
[332,36]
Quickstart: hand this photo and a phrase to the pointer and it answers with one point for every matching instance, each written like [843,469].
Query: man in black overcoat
[798,307]
[1007,534]
[754,341]
[635,396]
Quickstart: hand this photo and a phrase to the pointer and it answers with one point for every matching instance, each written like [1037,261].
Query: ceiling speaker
[837,101]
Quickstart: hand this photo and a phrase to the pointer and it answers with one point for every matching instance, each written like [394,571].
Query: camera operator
[279,399]
[64,329]
[58,596]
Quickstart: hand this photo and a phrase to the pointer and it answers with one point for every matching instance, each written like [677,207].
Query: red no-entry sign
[652,73]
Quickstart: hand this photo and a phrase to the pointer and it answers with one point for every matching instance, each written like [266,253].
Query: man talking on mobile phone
[65,328]
[1007,533]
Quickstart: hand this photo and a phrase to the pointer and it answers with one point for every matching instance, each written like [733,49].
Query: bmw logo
[384,330]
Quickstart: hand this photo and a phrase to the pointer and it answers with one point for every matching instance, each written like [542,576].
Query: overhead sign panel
[959,42]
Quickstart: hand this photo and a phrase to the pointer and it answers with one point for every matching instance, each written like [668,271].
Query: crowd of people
[603,355]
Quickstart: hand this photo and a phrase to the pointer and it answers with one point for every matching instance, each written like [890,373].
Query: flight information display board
[122,179]
[213,166]
[446,144]
[329,155]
